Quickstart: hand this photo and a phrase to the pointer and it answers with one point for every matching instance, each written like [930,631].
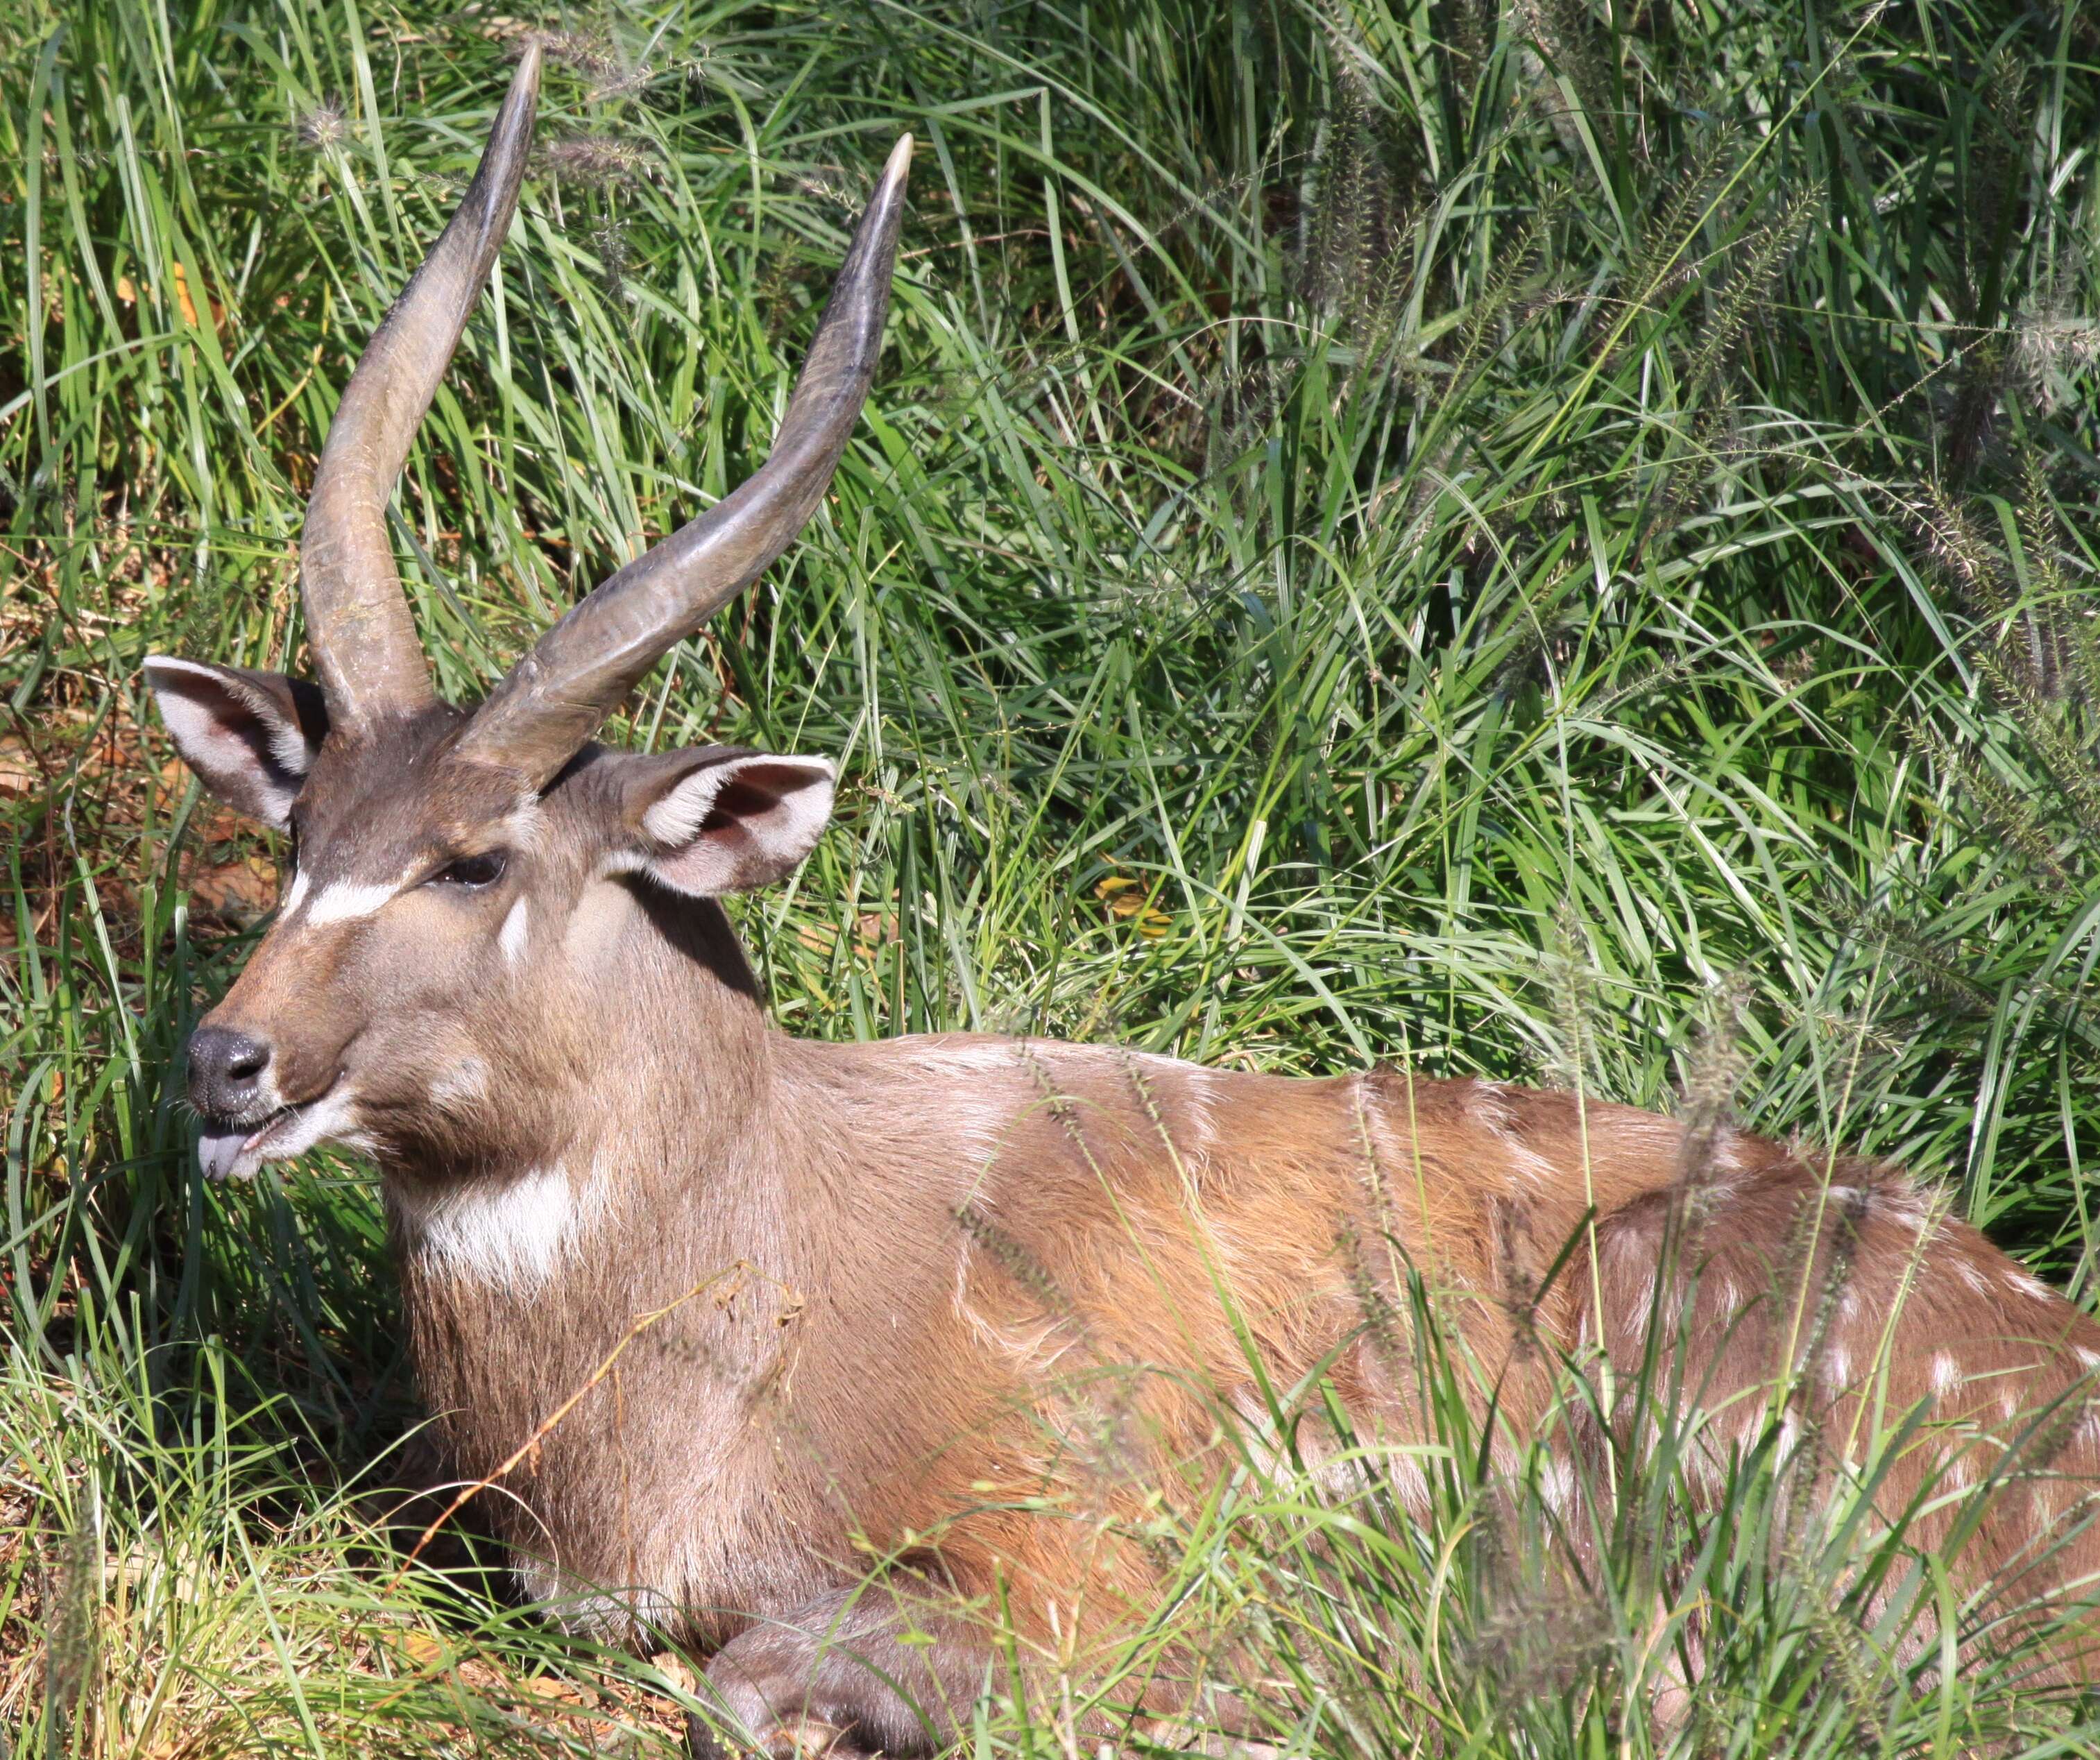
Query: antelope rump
[965,1306]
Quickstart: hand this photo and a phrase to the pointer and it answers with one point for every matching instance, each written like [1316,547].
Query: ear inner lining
[249,737]
[738,823]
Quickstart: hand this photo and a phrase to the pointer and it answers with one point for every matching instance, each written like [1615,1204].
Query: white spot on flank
[1034,1345]
[1180,1094]
[511,939]
[1199,1092]
[1966,1269]
[1529,1164]
[2030,1286]
[1841,1368]
[2088,1359]
[1491,1111]
[346,900]
[508,1233]
[1946,1373]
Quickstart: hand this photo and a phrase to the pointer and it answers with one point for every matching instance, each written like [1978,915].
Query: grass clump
[1446,533]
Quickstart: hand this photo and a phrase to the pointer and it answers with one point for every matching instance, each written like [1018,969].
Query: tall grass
[1423,532]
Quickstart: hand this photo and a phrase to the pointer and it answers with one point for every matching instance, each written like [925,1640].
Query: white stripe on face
[346,900]
[511,938]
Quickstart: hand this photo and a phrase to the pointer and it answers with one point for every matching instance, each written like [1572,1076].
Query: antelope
[845,1289]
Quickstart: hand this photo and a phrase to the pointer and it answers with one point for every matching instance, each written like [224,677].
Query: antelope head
[436,849]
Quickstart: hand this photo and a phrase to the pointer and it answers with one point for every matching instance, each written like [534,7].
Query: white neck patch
[508,1233]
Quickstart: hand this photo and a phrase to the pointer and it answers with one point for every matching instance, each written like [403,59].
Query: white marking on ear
[346,900]
[301,886]
[506,1233]
[511,937]
[187,720]
[676,818]
[750,845]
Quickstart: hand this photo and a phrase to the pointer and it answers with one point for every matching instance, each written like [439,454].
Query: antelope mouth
[235,1151]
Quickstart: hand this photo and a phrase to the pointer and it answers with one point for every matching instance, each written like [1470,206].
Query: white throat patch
[503,1232]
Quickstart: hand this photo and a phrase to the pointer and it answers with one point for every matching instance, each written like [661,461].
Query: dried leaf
[19,774]
[1128,900]
[423,1649]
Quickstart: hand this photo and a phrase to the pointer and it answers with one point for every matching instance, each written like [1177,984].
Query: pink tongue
[218,1151]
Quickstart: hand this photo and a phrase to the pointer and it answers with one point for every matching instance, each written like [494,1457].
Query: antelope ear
[250,736]
[716,819]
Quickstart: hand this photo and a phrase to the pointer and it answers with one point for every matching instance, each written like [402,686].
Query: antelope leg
[855,1672]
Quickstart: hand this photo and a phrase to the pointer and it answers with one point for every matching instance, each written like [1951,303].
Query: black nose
[226,1068]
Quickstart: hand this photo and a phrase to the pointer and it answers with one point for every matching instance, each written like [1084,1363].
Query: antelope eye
[471,872]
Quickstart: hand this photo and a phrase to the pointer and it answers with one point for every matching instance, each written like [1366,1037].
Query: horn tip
[900,161]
